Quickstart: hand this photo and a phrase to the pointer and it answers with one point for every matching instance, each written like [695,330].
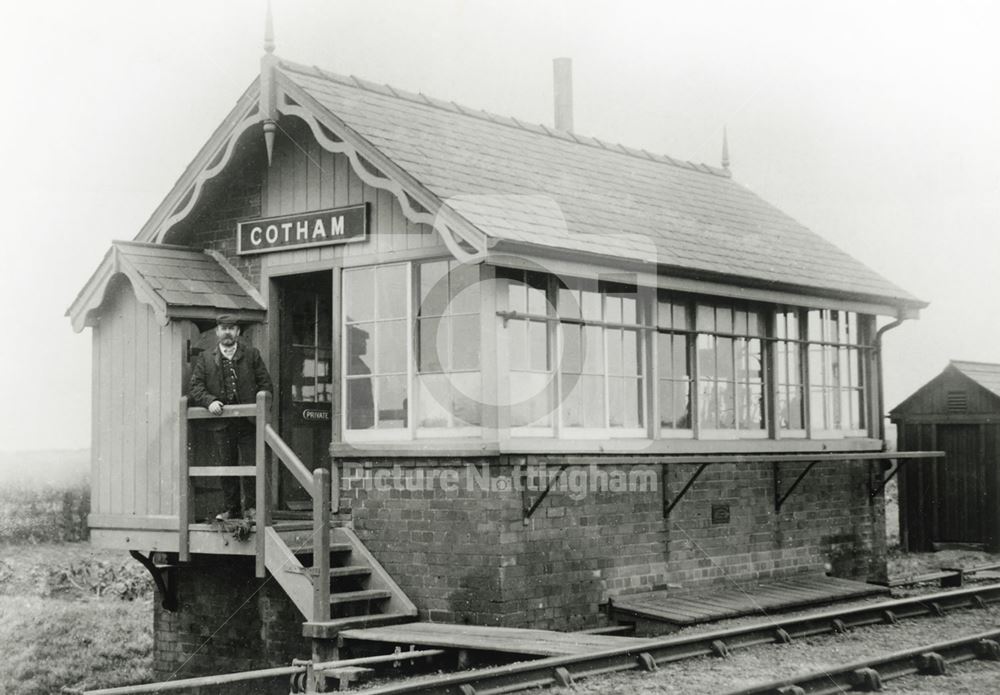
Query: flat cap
[226,320]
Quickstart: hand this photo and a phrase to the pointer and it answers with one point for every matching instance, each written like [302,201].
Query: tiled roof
[187,278]
[585,195]
[176,281]
[985,374]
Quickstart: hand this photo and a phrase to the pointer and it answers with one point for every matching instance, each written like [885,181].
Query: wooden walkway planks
[495,639]
[780,594]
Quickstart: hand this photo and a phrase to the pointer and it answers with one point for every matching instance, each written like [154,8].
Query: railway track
[649,655]
[869,675]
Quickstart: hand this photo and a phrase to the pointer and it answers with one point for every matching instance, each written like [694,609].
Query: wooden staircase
[361,593]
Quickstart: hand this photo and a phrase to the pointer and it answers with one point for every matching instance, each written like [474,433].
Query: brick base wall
[452,534]
[466,554]
[228,620]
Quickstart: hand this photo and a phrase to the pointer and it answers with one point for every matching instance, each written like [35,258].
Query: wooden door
[305,386]
[963,493]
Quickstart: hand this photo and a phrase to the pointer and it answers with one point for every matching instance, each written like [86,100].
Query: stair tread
[330,628]
[362,595]
[350,571]
[334,548]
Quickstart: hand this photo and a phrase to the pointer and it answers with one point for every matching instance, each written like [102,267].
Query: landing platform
[491,639]
[765,597]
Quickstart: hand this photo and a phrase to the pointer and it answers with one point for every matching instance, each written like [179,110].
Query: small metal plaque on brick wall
[720,513]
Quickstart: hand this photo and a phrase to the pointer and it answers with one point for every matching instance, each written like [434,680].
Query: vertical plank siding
[303,176]
[139,369]
[956,499]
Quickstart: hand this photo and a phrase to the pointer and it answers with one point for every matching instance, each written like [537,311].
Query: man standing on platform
[230,373]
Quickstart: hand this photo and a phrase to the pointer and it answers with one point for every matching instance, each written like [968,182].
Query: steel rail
[869,675]
[649,654]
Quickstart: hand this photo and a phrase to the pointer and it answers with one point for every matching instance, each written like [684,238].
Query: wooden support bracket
[877,488]
[165,578]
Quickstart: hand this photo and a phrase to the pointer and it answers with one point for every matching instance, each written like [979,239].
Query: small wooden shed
[957,499]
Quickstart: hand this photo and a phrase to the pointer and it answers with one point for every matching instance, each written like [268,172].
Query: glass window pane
[706,356]
[430,342]
[390,347]
[612,308]
[390,291]
[630,308]
[433,288]
[434,401]
[631,362]
[616,402]
[817,411]
[390,401]
[358,286]
[517,294]
[572,345]
[590,300]
[569,303]
[538,346]
[727,405]
[614,347]
[464,283]
[465,342]
[740,323]
[467,398]
[664,355]
[531,399]
[537,303]
[675,405]
[680,317]
[517,344]
[705,318]
[359,361]
[724,319]
[755,323]
[360,404]
[724,364]
[593,355]
[680,360]
[664,314]
[708,405]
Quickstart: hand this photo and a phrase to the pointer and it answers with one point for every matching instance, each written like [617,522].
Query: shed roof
[176,281]
[986,374]
[609,199]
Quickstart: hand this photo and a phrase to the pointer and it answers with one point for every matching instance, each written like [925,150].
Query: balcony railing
[317,484]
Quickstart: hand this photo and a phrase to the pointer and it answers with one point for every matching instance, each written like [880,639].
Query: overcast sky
[873,123]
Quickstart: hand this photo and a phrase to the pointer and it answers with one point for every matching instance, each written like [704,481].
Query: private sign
[320,228]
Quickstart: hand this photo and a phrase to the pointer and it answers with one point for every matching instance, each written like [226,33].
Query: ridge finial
[269,30]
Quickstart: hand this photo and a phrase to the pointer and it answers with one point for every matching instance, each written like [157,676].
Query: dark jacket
[206,378]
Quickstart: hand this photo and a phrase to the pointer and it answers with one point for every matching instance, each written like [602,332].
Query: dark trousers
[234,446]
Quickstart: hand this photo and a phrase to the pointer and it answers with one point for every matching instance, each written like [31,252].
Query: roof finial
[269,31]
[725,149]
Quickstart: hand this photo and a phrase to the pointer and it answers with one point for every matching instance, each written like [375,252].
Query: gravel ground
[764,664]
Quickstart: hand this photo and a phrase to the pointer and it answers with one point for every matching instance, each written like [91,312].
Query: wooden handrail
[238,410]
[292,462]
[316,483]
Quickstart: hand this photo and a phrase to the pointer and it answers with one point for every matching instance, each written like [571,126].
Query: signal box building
[535,371]
[958,500]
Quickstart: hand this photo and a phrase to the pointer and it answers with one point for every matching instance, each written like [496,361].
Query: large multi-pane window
[673,326]
[448,371]
[528,335]
[588,358]
[411,328]
[376,356]
[836,386]
[790,406]
[601,357]
[730,368]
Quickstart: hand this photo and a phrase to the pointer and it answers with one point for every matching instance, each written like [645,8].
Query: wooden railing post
[321,545]
[183,482]
[260,448]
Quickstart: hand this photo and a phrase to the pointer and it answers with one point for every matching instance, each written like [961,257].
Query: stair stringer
[288,572]
[399,603]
